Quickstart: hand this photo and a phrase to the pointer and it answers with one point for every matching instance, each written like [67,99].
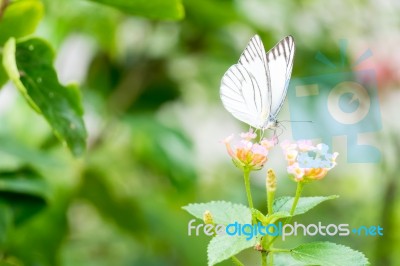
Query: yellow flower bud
[207,217]
[271,180]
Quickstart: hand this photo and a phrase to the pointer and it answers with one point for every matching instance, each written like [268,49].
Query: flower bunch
[307,162]
[248,154]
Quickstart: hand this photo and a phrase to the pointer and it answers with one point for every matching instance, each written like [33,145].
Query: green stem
[270,259]
[263,258]
[265,242]
[248,192]
[299,189]
[270,201]
[236,261]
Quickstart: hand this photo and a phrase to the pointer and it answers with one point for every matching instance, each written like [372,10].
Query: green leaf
[20,18]
[5,223]
[328,254]
[285,259]
[14,155]
[222,212]
[223,247]
[284,204]
[5,263]
[155,9]
[24,191]
[38,240]
[29,64]
[218,13]
[166,151]
[95,189]
[3,75]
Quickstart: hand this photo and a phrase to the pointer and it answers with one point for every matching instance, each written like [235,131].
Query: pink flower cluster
[307,162]
[247,154]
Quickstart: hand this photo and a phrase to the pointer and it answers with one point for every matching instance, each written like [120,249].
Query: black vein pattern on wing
[252,79]
[256,53]
[255,49]
[234,83]
[241,89]
[287,45]
[235,88]
[257,44]
[255,84]
[238,74]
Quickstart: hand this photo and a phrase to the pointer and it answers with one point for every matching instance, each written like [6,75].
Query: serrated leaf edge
[335,244]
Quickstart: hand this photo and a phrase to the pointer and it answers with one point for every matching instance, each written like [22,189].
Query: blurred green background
[149,74]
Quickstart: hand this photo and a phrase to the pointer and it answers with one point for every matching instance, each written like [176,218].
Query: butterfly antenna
[297,121]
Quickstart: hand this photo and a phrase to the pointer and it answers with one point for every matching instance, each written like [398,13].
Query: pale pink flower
[248,135]
[227,142]
[290,156]
[295,170]
[268,143]
[247,154]
[305,145]
[287,145]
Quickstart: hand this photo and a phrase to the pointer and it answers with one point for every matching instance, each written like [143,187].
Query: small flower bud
[271,180]
[207,217]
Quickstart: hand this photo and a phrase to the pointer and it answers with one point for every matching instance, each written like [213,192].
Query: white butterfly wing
[280,64]
[233,86]
[255,89]
[244,87]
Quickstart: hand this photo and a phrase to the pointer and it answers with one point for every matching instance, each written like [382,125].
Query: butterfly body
[270,123]
[254,89]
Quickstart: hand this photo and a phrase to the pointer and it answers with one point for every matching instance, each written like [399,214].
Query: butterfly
[254,89]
